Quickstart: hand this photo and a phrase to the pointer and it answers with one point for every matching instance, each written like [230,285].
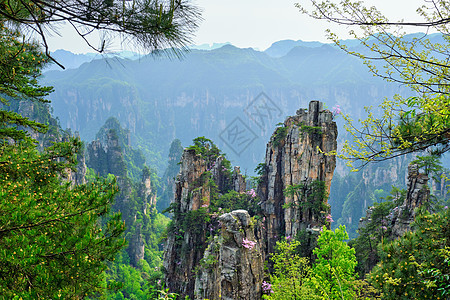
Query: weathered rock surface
[136,247]
[417,194]
[223,261]
[185,245]
[203,263]
[296,155]
[79,176]
[145,190]
[105,155]
[239,184]
[228,269]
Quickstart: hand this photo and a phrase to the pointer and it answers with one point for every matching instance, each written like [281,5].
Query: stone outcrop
[78,176]
[188,251]
[185,243]
[145,190]
[232,266]
[212,257]
[296,156]
[417,194]
[239,184]
[167,186]
[106,156]
[136,247]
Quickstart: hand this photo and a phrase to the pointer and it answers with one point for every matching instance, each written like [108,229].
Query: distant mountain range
[230,95]
[277,49]
[159,99]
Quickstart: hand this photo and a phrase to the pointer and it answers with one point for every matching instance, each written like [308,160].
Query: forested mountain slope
[211,93]
[159,99]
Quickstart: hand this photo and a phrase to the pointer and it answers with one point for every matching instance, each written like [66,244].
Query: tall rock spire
[208,255]
[296,158]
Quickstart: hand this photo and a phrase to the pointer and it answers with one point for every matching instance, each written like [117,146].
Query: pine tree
[150,24]
[55,237]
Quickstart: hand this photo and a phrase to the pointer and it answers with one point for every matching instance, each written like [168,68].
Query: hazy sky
[255,23]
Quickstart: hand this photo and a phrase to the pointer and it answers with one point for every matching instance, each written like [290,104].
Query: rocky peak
[296,157]
[417,194]
[239,184]
[145,190]
[136,247]
[203,249]
[185,243]
[212,257]
[78,176]
[105,155]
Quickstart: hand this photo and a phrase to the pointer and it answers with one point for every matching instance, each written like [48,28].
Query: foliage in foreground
[417,266]
[291,274]
[55,237]
[52,242]
[334,270]
[332,275]
[375,231]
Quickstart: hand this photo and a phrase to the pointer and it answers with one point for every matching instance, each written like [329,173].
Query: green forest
[98,219]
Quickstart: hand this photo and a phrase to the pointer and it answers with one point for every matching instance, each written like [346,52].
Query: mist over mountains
[209,92]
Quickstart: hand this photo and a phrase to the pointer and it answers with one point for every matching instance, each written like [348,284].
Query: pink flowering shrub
[267,287]
[329,218]
[336,110]
[252,193]
[248,244]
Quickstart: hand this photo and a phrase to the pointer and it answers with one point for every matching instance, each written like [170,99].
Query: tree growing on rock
[417,266]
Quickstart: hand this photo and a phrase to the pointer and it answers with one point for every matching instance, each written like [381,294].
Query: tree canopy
[52,243]
[20,66]
[416,266]
[55,236]
[150,24]
[406,124]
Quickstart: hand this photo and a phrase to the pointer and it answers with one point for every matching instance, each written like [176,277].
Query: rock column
[296,155]
[233,264]
[417,194]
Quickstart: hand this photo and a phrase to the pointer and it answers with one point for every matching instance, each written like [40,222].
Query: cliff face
[239,184]
[166,191]
[208,256]
[157,106]
[79,176]
[145,191]
[186,241]
[107,155]
[204,254]
[295,157]
[417,194]
[232,266]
